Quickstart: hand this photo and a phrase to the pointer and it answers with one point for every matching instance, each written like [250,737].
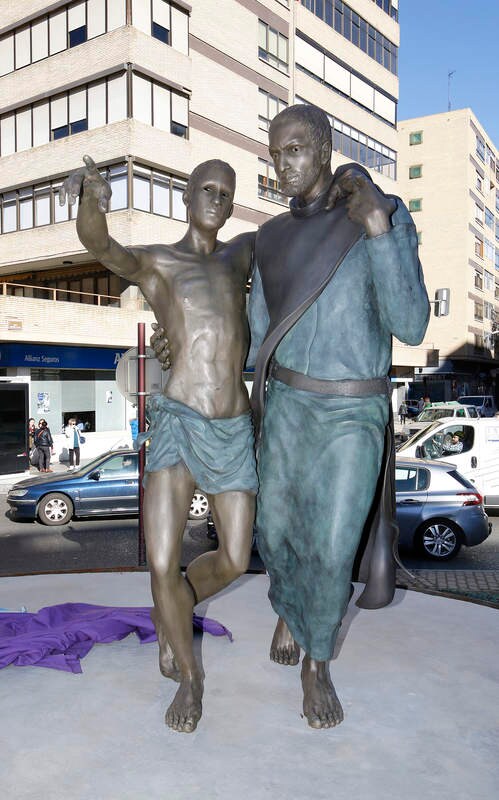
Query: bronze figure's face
[210,198]
[298,161]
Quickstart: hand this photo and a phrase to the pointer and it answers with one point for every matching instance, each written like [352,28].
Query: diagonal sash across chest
[297,256]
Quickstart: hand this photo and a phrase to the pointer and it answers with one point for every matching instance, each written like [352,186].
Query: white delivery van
[484,403]
[471,444]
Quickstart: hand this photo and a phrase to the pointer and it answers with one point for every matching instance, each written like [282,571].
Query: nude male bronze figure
[201,431]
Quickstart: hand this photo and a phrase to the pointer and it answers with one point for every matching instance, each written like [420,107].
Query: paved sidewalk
[416,681]
[479,584]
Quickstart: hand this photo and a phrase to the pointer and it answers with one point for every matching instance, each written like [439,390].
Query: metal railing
[64,295]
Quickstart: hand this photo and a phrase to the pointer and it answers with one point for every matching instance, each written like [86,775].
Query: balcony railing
[51,293]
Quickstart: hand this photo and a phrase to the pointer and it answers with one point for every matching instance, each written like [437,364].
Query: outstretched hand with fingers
[91,181]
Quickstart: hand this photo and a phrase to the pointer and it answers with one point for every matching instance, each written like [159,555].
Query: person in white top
[72,433]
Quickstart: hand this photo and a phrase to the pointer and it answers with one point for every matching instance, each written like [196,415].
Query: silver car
[437,509]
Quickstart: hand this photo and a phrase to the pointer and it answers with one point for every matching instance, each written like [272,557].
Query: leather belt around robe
[342,388]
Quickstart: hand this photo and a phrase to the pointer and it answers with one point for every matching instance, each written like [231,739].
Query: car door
[112,488]
[411,487]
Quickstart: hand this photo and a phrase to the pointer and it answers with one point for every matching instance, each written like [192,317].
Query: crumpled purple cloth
[59,636]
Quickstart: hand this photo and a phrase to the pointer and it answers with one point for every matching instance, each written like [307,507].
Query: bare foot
[185,711]
[284,649]
[167,664]
[320,703]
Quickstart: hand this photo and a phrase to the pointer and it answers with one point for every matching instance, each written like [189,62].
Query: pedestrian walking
[72,432]
[44,443]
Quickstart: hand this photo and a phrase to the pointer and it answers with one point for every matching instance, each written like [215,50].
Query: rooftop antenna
[449,76]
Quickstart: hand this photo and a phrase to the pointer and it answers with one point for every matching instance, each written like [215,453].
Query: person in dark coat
[44,443]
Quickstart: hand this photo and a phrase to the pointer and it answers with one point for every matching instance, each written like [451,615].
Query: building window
[91,106]
[478,342]
[496,260]
[488,281]
[158,193]
[272,46]
[161,21]
[478,281]
[416,205]
[157,105]
[268,107]
[478,247]
[164,21]
[479,182]
[480,147]
[479,214]
[64,28]
[478,310]
[78,36]
[268,185]
[420,237]
[153,191]
[416,137]
[488,249]
[489,218]
[488,310]
[324,67]
[356,29]
[416,171]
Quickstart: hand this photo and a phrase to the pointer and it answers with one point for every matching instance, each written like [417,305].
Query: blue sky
[442,35]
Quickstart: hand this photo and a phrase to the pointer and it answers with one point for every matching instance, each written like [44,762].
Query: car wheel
[439,539]
[199,506]
[55,509]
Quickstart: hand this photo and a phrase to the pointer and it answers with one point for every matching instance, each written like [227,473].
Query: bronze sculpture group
[333,279]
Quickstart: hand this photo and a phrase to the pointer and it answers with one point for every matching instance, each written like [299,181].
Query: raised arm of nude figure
[94,193]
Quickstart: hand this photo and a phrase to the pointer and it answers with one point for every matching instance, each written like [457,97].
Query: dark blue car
[107,486]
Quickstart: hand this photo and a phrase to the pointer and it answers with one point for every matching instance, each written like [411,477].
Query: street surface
[112,543]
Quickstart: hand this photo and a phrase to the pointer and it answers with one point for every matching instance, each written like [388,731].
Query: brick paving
[467,581]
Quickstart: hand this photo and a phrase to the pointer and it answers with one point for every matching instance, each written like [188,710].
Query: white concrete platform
[418,682]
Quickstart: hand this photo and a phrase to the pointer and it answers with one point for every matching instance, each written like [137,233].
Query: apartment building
[150,88]
[449,178]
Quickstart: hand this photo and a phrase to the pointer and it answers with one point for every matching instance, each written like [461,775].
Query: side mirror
[94,476]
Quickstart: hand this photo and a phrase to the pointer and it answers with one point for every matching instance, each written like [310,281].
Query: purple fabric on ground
[59,636]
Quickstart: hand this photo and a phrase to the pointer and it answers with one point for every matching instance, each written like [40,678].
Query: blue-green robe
[319,457]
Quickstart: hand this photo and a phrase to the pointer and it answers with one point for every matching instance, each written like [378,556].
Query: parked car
[107,486]
[477,459]
[436,411]
[438,510]
[484,403]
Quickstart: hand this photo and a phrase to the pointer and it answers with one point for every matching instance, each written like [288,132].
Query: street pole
[141,395]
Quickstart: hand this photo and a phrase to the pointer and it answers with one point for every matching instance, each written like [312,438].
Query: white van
[484,403]
[474,450]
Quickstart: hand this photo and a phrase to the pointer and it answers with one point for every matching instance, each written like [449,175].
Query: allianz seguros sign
[47,356]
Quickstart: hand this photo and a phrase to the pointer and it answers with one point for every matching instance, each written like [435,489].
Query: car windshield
[417,436]
[431,414]
[96,463]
